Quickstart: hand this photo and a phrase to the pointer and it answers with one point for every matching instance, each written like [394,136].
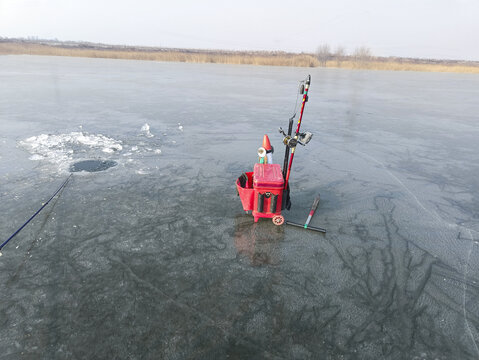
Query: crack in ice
[466,265]
[442,221]
[431,212]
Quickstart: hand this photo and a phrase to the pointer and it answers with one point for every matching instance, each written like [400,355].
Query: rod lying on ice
[310,216]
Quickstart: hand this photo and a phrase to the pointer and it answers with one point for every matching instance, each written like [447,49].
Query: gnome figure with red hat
[265,152]
[269,149]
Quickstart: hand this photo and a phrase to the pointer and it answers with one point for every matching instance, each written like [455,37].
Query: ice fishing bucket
[262,190]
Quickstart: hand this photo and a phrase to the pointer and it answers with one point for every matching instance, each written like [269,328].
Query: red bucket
[244,185]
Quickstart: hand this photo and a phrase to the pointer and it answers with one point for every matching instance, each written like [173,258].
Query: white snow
[145,129]
[61,148]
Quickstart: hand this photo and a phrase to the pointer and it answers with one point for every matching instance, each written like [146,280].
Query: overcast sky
[411,28]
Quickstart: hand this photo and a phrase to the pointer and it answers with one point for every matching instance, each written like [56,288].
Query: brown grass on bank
[405,66]
[251,58]
[302,60]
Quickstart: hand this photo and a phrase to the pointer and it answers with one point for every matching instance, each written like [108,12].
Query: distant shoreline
[277,58]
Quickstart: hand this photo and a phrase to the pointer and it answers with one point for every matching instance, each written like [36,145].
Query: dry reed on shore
[255,58]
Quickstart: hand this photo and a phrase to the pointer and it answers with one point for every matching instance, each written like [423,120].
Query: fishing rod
[286,200]
[286,150]
[290,129]
[37,212]
[293,142]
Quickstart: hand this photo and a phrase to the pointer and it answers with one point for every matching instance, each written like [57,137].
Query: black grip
[273,203]
[317,229]
[294,224]
[260,202]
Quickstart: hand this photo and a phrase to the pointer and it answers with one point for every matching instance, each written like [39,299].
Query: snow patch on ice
[62,148]
[145,129]
[36,157]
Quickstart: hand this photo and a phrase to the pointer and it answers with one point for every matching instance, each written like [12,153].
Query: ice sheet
[154,258]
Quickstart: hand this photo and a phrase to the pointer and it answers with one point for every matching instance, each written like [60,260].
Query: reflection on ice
[259,242]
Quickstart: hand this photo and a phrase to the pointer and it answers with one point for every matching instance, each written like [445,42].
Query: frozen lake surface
[152,257]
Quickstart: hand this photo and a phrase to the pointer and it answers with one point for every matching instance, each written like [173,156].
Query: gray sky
[446,29]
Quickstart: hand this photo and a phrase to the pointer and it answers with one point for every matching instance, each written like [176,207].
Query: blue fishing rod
[33,216]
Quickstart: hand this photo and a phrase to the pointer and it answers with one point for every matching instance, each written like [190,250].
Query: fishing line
[33,216]
[35,240]
[297,97]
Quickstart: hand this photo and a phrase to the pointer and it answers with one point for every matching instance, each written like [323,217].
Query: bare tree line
[324,53]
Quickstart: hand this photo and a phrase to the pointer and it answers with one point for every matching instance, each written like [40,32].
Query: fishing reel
[305,138]
[301,138]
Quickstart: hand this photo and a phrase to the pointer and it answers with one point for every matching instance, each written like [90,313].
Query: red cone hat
[266,144]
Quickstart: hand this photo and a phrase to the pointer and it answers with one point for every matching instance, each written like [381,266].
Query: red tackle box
[262,191]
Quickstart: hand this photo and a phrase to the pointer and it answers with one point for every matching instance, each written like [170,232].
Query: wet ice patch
[61,149]
[92,165]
